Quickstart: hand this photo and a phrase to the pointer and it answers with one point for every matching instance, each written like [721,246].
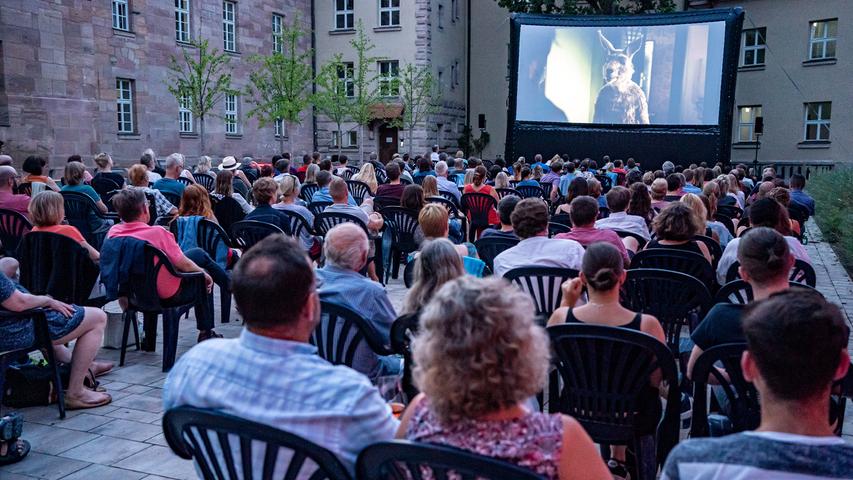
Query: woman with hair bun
[479,185]
[603,273]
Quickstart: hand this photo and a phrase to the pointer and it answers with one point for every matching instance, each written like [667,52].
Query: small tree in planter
[200,83]
[332,98]
[280,83]
[366,95]
[418,97]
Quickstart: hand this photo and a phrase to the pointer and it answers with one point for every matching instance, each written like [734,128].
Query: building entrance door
[388,142]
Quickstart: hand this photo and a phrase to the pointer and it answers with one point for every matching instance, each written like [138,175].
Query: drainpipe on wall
[468,71]
[314,72]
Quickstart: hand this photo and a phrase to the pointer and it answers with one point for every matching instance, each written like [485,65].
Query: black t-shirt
[114,176]
[497,233]
[721,325]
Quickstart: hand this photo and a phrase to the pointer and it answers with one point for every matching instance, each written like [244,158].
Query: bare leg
[631,244]
[89,336]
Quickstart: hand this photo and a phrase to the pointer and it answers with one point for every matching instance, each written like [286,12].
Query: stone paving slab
[124,440]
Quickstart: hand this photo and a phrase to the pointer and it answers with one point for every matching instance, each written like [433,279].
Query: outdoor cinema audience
[676,226]
[47,211]
[437,263]
[584,211]
[169,183]
[505,209]
[137,177]
[619,199]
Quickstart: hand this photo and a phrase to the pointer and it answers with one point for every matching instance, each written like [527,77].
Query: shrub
[834,210]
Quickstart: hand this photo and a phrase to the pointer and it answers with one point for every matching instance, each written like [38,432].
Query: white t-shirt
[540,252]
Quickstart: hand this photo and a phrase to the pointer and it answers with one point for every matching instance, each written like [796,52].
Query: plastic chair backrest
[740,293]
[247,233]
[675,299]
[186,181]
[24,188]
[503,192]
[358,190]
[402,460]
[317,207]
[477,206]
[307,191]
[450,205]
[726,221]
[341,332]
[530,191]
[490,247]
[563,218]
[801,272]
[449,197]
[557,228]
[543,285]
[228,212]
[691,263]
[623,234]
[56,265]
[404,224]
[103,185]
[403,330]
[206,181]
[210,237]
[13,227]
[173,198]
[326,220]
[296,224]
[225,446]
[744,411]
[381,202]
[713,247]
[605,372]
[80,210]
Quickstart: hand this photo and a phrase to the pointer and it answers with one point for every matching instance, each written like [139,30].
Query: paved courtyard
[124,440]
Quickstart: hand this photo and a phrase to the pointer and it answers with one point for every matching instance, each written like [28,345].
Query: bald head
[7,178]
[5,160]
[441,169]
[346,246]
[338,190]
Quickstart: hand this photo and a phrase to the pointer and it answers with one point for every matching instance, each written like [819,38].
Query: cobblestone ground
[124,440]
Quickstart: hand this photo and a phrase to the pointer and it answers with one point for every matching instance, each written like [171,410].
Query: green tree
[366,95]
[279,89]
[331,98]
[419,98]
[588,7]
[199,83]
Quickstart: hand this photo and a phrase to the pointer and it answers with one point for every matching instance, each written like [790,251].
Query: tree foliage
[279,86]
[331,97]
[419,98]
[588,7]
[200,81]
[361,107]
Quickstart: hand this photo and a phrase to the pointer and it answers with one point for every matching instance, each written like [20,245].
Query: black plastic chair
[353,169]
[403,331]
[624,234]
[346,174]
[503,192]
[81,211]
[402,460]
[103,185]
[490,247]
[173,198]
[25,188]
[13,227]
[142,296]
[740,293]
[318,207]
[323,222]
[477,207]
[210,237]
[449,197]
[228,212]
[358,190]
[42,342]
[730,211]
[605,373]
[801,272]
[606,183]
[452,208]
[206,181]
[744,411]
[306,191]
[563,218]
[186,181]
[213,439]
[603,212]
[675,299]
[296,224]
[341,332]
[692,264]
[547,187]
[726,221]
[543,285]
[557,228]
[530,191]
[56,265]
[403,223]
[381,175]
[384,201]
[249,232]
[713,248]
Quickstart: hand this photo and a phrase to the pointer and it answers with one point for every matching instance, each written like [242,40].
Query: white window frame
[389,8]
[229,26]
[280,127]
[389,75]
[347,13]
[277,28]
[824,40]
[351,137]
[440,16]
[755,48]
[454,10]
[182,21]
[819,122]
[124,106]
[348,69]
[232,114]
[185,116]
[754,111]
[121,15]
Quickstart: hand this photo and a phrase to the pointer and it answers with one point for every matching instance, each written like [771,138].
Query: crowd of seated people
[479,358]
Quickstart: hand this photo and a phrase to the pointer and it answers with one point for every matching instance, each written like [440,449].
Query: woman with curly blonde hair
[478,358]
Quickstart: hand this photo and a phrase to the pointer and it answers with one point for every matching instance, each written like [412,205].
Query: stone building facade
[431,33]
[73,75]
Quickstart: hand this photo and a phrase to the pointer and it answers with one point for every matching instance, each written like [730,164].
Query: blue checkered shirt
[286,385]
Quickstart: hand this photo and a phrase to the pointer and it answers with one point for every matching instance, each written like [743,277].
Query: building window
[344,14]
[818,117]
[746,123]
[389,13]
[350,138]
[121,19]
[124,105]
[454,10]
[185,115]
[346,72]
[453,77]
[440,16]
[389,81]
[753,47]
[229,26]
[277,26]
[822,39]
[280,128]
[182,20]
[232,124]
[440,82]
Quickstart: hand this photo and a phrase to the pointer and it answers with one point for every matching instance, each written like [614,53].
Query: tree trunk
[411,139]
[290,143]
[201,134]
[360,144]
[281,139]
[340,140]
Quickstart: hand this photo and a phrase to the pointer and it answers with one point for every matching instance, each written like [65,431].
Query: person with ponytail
[765,263]
[603,273]
[478,185]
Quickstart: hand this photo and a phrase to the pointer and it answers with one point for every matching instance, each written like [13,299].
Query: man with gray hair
[668,167]
[170,183]
[445,185]
[5,160]
[339,281]
[8,199]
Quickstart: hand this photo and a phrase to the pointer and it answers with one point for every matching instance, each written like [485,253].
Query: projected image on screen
[631,75]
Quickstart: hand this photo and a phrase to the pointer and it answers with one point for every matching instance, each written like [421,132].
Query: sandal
[15,453]
[92,384]
[72,403]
